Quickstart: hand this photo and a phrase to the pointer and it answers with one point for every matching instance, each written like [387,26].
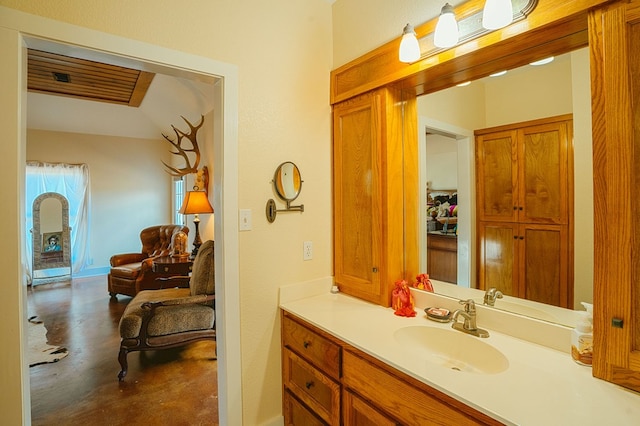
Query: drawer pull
[306,344]
[308,385]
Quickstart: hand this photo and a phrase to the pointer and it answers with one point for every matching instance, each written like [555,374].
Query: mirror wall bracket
[272,210]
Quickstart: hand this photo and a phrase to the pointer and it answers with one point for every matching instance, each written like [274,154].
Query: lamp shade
[497,14]
[409,47]
[446,34]
[196,202]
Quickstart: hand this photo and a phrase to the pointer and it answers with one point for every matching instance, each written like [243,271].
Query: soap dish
[438,314]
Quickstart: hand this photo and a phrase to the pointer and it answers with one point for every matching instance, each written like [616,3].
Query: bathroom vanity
[347,361]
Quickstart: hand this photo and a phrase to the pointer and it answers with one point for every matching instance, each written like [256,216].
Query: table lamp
[195,203]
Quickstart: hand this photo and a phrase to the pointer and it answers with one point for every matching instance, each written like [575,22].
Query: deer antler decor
[184,151]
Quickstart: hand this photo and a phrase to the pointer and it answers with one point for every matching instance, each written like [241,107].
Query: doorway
[22,31]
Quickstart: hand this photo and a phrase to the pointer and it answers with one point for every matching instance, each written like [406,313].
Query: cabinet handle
[375,269]
[521,237]
[308,385]
[520,208]
[515,207]
[306,344]
[515,237]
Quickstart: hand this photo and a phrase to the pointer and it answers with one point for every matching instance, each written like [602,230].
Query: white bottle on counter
[582,337]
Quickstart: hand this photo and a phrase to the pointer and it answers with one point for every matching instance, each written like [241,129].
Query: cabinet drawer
[441,242]
[311,386]
[316,349]
[408,401]
[296,414]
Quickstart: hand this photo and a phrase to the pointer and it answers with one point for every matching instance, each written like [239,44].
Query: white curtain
[72,182]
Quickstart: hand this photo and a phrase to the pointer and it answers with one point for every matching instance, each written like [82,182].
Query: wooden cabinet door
[497,176]
[614,32]
[357,196]
[544,180]
[498,257]
[544,266]
[526,260]
[375,238]
[357,412]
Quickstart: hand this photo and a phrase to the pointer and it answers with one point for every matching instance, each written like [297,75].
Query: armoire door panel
[543,173]
[497,185]
[498,242]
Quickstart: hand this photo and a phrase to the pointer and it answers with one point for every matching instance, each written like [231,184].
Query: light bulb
[497,14]
[542,61]
[409,47]
[446,34]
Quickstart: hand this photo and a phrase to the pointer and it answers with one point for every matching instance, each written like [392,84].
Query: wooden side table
[167,266]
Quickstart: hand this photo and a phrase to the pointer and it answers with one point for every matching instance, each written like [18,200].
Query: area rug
[38,350]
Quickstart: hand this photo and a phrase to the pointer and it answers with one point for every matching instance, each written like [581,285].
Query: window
[178,196]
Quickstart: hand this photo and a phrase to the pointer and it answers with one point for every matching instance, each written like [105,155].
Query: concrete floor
[170,387]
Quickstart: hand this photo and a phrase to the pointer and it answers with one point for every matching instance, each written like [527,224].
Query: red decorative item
[423,282]
[402,300]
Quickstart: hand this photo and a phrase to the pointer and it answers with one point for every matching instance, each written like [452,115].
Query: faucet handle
[469,305]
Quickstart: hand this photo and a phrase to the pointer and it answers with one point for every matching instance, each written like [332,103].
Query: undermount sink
[452,349]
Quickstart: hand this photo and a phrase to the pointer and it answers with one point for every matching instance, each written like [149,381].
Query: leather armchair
[132,272]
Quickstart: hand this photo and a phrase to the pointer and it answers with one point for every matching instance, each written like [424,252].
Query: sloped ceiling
[167,98]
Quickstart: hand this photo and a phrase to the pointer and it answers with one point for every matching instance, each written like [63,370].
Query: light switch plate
[245,220]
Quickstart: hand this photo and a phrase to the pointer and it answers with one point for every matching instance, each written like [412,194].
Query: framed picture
[51,242]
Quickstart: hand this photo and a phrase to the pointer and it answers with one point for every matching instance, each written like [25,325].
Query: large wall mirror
[51,234]
[446,122]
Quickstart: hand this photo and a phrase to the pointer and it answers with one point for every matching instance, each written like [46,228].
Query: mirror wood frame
[608,28]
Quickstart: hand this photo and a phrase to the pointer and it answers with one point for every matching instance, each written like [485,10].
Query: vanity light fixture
[466,83]
[497,14]
[543,61]
[498,74]
[409,47]
[446,34]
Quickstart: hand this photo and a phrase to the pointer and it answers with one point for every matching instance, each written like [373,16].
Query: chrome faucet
[469,325]
[491,295]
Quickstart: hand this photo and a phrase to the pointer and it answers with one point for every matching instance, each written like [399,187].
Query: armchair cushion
[175,318]
[203,271]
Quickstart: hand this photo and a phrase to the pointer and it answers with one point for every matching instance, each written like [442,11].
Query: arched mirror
[287,183]
[51,234]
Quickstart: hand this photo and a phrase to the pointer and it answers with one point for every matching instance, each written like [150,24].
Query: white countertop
[541,386]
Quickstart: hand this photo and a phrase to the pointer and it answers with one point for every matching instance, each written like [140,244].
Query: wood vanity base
[328,382]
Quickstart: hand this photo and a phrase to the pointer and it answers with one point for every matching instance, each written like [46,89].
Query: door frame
[17,31]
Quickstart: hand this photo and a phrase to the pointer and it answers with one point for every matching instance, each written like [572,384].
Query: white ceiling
[167,99]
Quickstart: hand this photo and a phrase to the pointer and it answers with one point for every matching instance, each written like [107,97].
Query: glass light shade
[196,202]
[446,34]
[542,61]
[497,14]
[409,47]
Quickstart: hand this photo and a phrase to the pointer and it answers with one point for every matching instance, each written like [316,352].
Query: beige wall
[282,50]
[129,188]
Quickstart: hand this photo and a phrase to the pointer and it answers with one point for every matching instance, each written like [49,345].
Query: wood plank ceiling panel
[55,74]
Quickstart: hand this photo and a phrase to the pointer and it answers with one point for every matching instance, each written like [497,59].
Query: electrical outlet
[307,250]
[245,220]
